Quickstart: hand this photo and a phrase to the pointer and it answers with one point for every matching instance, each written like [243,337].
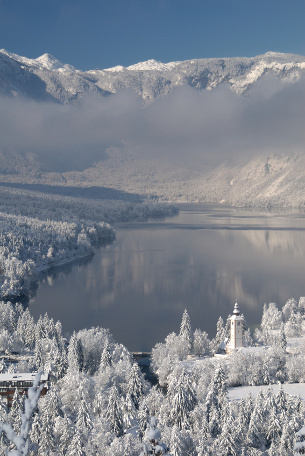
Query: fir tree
[176,442]
[80,354]
[35,433]
[256,434]
[129,411]
[216,401]
[83,422]
[73,365]
[182,400]
[47,439]
[76,447]
[114,414]
[143,417]
[106,357]
[220,335]
[67,430]
[16,411]
[185,329]
[226,444]
[135,387]
[299,447]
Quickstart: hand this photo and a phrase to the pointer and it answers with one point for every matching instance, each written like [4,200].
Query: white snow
[24,376]
[153,65]
[294,389]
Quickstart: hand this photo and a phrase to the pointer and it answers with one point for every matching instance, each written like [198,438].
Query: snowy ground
[294,389]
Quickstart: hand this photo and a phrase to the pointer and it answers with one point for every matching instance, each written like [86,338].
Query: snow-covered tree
[201,343]
[220,336]
[135,385]
[186,329]
[299,447]
[216,402]
[114,414]
[106,357]
[182,399]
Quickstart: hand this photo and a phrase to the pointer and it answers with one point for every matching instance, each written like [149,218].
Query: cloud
[197,127]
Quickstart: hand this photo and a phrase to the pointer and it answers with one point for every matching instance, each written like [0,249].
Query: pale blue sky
[103,33]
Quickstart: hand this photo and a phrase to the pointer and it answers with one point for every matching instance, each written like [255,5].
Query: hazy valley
[211,130]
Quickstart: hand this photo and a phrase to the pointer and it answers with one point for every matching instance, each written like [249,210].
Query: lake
[204,259]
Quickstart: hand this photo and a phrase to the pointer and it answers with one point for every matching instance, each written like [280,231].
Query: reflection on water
[203,259]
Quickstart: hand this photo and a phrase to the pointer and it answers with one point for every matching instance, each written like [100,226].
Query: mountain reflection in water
[203,259]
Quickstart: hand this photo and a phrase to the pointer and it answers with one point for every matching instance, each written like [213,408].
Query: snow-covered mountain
[48,78]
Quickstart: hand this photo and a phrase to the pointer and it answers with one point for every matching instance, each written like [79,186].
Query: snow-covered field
[293,389]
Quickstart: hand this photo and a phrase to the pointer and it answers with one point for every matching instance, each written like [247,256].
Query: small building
[22,382]
[236,330]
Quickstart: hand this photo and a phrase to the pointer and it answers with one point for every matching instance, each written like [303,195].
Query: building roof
[236,313]
[22,377]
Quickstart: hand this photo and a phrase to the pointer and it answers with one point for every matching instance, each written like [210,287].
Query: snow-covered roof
[22,377]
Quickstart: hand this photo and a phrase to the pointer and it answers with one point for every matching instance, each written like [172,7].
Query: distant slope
[265,181]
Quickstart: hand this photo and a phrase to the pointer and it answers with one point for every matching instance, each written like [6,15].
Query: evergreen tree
[35,433]
[76,447]
[135,387]
[143,417]
[26,329]
[47,439]
[83,422]
[274,429]
[226,444]
[216,402]
[114,414]
[53,405]
[220,336]
[67,430]
[98,404]
[299,447]
[129,411]
[182,400]
[80,354]
[185,329]
[73,365]
[176,442]
[16,411]
[256,434]
[90,364]
[39,358]
[106,357]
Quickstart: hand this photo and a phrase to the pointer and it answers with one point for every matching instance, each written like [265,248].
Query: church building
[236,330]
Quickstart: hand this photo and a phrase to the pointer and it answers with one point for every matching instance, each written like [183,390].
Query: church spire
[236,310]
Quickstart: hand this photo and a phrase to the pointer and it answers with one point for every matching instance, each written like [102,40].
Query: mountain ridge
[148,80]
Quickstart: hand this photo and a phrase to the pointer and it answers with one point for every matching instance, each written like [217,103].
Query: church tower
[236,329]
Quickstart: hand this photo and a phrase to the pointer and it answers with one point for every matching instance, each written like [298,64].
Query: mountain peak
[51,63]
[152,65]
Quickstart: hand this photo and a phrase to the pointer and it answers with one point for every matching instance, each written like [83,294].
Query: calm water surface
[203,259]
